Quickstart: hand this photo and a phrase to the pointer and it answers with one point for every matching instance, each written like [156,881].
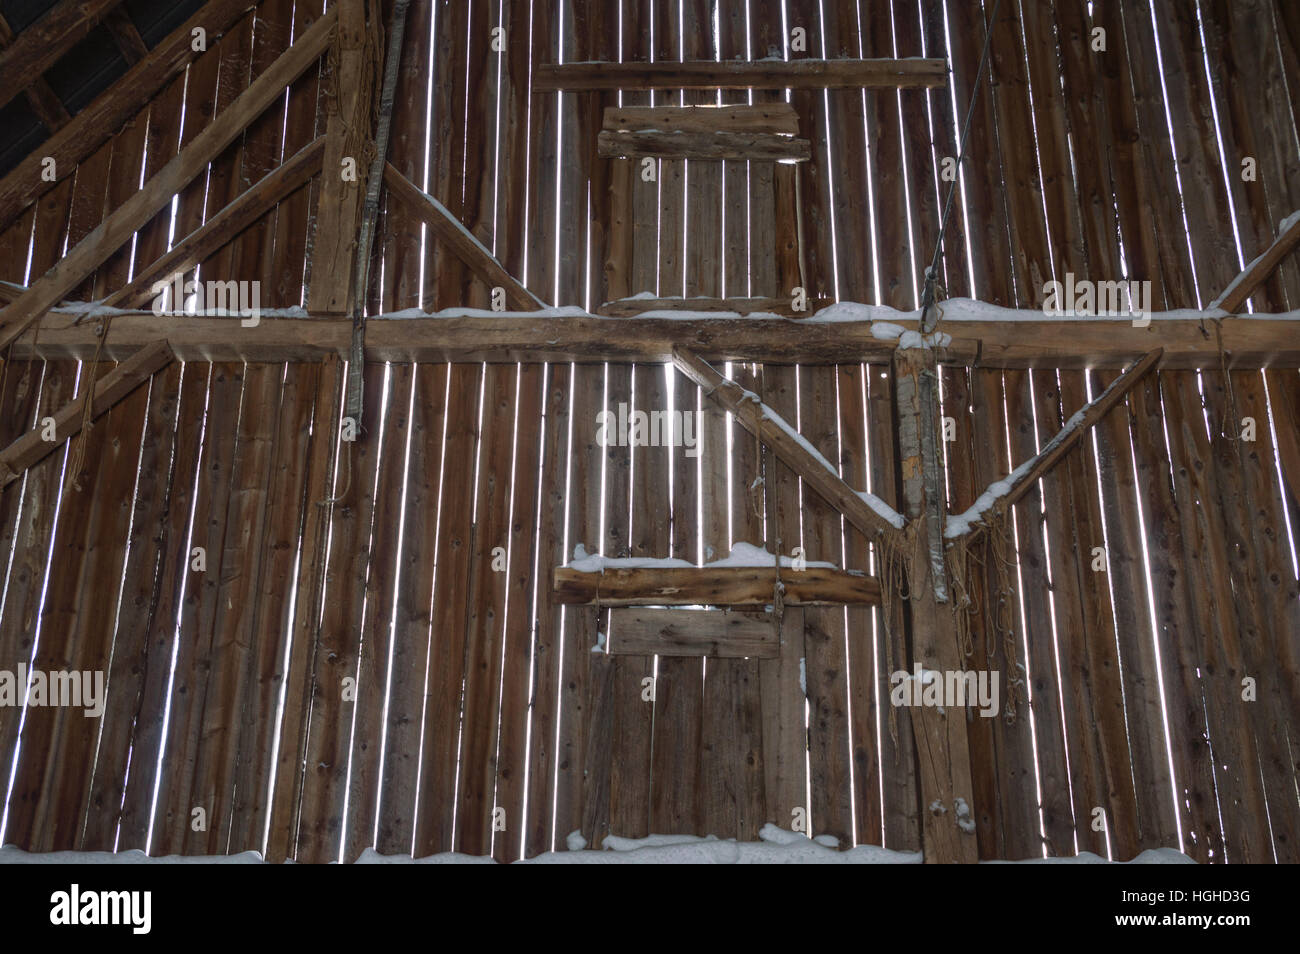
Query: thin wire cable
[927,295]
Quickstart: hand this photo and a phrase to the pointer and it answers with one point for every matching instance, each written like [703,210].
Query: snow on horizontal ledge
[742,555]
[887,318]
[775,846]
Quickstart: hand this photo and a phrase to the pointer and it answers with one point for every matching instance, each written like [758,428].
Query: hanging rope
[932,272]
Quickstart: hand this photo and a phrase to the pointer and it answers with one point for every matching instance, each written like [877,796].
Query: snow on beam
[1027,340]
[459,239]
[865,511]
[36,444]
[1258,271]
[1001,495]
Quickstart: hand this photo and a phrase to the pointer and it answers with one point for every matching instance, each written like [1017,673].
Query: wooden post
[348,129]
[943,755]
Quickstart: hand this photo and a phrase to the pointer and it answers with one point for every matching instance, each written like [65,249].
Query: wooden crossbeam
[631,307]
[94,124]
[459,239]
[764,424]
[109,236]
[34,446]
[44,43]
[713,586]
[1258,271]
[247,208]
[1028,473]
[768,74]
[703,146]
[45,103]
[777,118]
[721,634]
[1249,342]
[127,38]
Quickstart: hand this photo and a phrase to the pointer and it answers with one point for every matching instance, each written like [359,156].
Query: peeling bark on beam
[1068,436]
[110,235]
[32,447]
[713,586]
[92,127]
[772,74]
[943,750]
[44,43]
[524,336]
[827,483]
[459,239]
[1258,271]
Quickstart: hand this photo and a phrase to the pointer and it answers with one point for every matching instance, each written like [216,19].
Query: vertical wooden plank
[486,602]
[163,644]
[377,635]
[413,634]
[1242,801]
[1099,626]
[1043,663]
[546,760]
[1138,649]
[324,787]
[829,743]
[985,195]
[864,702]
[437,793]
[1175,623]
[899,800]
[290,768]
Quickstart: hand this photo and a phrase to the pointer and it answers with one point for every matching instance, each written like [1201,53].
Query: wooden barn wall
[352,668]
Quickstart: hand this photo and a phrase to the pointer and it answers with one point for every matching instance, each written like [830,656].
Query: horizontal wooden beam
[778,118]
[34,446]
[44,43]
[763,424]
[119,226]
[631,307]
[462,242]
[713,586]
[94,124]
[1258,271]
[722,634]
[1249,342]
[703,146]
[767,74]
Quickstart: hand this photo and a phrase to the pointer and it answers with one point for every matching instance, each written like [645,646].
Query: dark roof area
[88,69]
